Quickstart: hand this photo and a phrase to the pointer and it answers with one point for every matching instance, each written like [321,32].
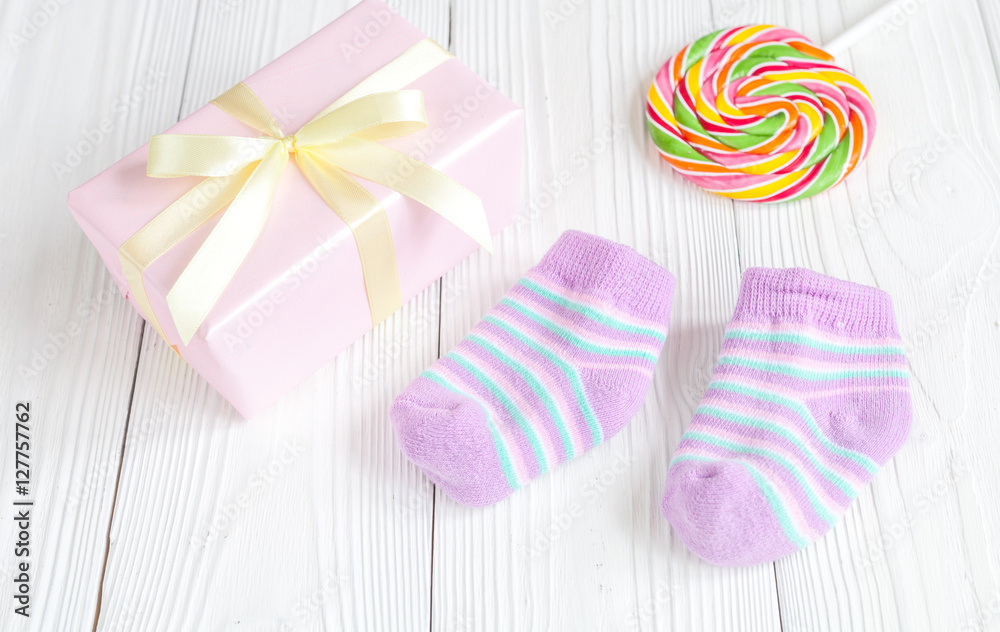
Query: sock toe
[720,513]
[448,437]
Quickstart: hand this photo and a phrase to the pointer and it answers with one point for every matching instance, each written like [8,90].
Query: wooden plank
[307,517]
[585,547]
[70,340]
[919,220]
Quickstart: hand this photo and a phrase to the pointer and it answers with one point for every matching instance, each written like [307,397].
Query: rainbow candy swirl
[759,113]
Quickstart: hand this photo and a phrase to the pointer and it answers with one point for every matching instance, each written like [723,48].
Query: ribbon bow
[243,172]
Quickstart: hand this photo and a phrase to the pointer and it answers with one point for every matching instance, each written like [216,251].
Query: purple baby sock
[559,365]
[809,398]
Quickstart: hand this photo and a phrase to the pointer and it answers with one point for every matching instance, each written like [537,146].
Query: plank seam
[118,476]
[138,358]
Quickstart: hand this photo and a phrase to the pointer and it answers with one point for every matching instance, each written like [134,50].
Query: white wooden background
[158,508]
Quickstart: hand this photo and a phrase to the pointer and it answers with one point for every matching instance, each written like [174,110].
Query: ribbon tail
[215,263]
[415,180]
[366,218]
[168,228]
[374,117]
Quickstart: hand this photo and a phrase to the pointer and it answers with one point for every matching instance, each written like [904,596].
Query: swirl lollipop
[759,113]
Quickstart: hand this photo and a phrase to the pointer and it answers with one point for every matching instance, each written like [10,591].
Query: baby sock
[809,398]
[559,365]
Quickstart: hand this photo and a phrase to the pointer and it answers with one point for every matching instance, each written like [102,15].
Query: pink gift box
[299,298]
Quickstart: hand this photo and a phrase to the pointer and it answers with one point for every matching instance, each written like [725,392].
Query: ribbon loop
[373,117]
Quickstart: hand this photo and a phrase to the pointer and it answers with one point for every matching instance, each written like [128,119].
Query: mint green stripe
[669,144]
[687,119]
[809,341]
[755,135]
[576,340]
[769,494]
[536,386]
[832,171]
[492,387]
[739,448]
[762,424]
[502,453]
[826,142]
[698,49]
[802,412]
[808,374]
[581,399]
[592,313]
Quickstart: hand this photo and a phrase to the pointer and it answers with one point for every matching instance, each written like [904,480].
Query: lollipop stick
[840,44]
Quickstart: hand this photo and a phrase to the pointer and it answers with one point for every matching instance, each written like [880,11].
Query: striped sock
[559,365]
[809,398]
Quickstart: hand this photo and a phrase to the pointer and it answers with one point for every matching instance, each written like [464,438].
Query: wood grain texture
[585,547]
[70,341]
[917,220]
[158,508]
[314,497]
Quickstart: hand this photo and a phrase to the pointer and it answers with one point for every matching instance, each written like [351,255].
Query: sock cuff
[803,296]
[611,271]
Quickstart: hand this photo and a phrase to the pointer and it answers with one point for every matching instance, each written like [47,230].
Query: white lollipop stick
[840,44]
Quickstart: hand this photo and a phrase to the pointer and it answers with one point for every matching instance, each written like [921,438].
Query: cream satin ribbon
[243,172]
